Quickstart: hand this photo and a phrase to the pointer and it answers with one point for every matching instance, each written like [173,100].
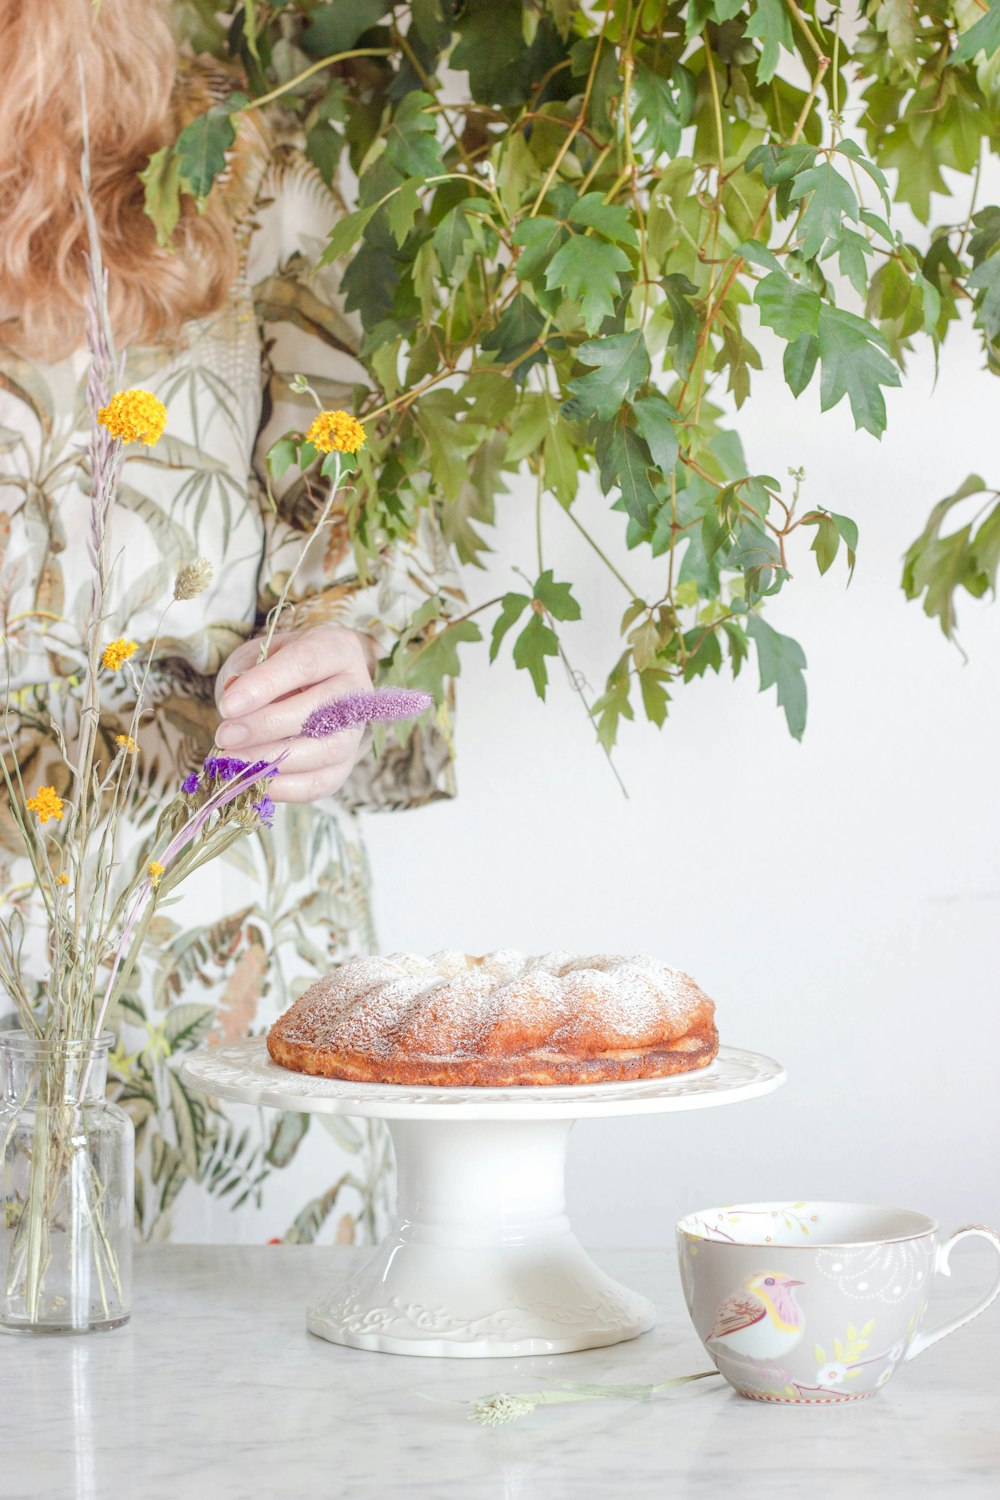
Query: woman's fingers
[297,662]
[310,786]
[284,718]
[303,755]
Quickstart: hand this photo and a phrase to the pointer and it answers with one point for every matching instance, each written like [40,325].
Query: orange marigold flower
[118,652]
[134,416]
[154,869]
[336,432]
[62,879]
[126,742]
[47,804]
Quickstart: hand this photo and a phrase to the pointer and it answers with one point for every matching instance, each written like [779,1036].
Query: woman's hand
[263,707]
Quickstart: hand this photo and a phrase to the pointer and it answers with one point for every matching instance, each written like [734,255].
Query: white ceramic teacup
[815,1302]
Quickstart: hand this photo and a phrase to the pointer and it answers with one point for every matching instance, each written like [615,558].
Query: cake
[501,1020]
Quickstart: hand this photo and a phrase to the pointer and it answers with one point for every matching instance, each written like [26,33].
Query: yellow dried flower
[336,432]
[127,743]
[118,652]
[193,579]
[62,879]
[47,804]
[134,416]
[155,870]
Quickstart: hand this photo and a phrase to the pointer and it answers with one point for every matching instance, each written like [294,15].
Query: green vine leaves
[561,262]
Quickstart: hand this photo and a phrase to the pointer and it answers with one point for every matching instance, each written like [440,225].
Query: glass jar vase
[66,1189]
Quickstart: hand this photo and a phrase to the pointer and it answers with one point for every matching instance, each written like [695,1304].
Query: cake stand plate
[480,1259]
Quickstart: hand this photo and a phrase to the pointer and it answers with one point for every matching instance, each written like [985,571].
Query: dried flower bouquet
[98,898]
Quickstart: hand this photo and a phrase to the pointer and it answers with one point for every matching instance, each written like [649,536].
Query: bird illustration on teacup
[761,1321]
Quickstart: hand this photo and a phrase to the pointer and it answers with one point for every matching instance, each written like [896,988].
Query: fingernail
[231,734]
[235,703]
[229,682]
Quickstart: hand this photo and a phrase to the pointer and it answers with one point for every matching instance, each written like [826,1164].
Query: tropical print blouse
[255,927]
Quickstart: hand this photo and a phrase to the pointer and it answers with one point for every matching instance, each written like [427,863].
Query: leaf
[830,200]
[161,180]
[986,279]
[511,609]
[655,697]
[346,233]
[187,1121]
[536,641]
[451,237]
[202,145]
[626,461]
[587,271]
[336,27]
[937,569]
[281,455]
[286,1136]
[660,107]
[826,541]
[853,150]
[411,143]
[781,662]
[852,260]
[611,219]
[787,306]
[771,26]
[613,705]
[984,36]
[854,365]
[684,333]
[401,209]
[538,240]
[516,331]
[436,659]
[986,547]
[779,164]
[655,419]
[622,362]
[848,531]
[186,1026]
[560,460]
[799,362]
[556,598]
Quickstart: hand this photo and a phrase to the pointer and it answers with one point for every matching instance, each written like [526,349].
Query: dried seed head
[193,579]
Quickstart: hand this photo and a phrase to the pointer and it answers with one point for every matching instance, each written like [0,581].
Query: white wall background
[839,899]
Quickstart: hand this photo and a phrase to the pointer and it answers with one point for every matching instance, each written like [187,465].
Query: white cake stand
[479,1260]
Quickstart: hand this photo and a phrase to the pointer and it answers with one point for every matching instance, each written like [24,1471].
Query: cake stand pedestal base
[480,1259]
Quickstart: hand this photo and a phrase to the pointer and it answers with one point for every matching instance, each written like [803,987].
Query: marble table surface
[215,1391]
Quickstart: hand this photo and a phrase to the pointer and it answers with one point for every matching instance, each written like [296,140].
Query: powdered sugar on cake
[454,1004]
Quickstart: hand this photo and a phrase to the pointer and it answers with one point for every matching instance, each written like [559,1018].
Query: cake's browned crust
[454,1021]
[531,1070]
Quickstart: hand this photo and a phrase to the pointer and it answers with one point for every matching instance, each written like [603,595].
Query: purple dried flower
[261,768]
[380,707]
[191,783]
[224,767]
[265,811]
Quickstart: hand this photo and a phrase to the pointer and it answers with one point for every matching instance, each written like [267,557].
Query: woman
[215,325]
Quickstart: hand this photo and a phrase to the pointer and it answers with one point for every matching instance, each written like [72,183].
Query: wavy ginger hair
[130,64]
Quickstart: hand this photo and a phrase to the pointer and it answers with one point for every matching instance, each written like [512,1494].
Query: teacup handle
[923,1341]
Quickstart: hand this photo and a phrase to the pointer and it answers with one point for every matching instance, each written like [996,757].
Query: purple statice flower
[224,767]
[380,707]
[261,768]
[265,811]
[191,783]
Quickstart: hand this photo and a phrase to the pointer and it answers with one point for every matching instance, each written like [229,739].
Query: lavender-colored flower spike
[380,707]
[191,783]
